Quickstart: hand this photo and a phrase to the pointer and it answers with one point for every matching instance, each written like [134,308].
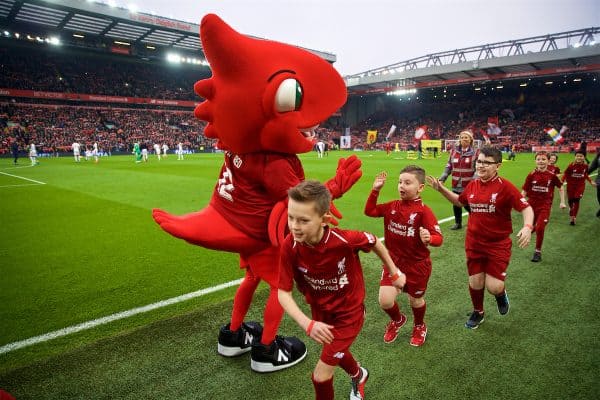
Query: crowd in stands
[522,120]
[54,71]
[54,128]
[53,125]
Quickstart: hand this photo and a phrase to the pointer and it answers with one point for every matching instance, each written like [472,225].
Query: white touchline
[25,184]
[114,317]
[134,311]
[21,177]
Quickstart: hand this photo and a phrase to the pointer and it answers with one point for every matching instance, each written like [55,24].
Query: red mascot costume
[262,103]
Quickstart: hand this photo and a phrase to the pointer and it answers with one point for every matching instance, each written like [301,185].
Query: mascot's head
[263,95]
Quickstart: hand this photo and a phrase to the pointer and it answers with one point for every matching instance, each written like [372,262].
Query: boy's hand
[434,182]
[379,180]
[524,236]
[563,206]
[425,235]
[400,282]
[321,332]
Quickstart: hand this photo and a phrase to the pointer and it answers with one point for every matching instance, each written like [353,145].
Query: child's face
[486,167]
[541,162]
[552,160]
[304,222]
[579,158]
[409,186]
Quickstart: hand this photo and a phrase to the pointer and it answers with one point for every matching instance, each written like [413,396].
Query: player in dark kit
[575,175]
[324,263]
[539,190]
[487,242]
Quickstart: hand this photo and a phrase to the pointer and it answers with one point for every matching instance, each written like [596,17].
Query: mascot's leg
[272,352]
[238,336]
[209,229]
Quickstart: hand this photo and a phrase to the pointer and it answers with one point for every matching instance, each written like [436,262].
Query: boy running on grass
[324,263]
[575,175]
[539,190]
[410,226]
[487,242]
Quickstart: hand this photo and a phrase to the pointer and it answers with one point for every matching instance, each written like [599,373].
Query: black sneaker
[537,256]
[283,353]
[503,303]
[456,227]
[474,320]
[234,343]
[358,385]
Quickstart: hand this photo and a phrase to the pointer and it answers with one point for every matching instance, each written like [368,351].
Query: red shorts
[417,277]
[346,328]
[575,192]
[541,214]
[489,258]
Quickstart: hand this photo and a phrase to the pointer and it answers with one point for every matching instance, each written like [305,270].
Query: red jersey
[402,220]
[250,185]
[328,274]
[539,187]
[491,203]
[576,175]
[554,169]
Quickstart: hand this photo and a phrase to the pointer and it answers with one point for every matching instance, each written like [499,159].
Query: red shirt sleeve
[371,208]
[360,240]
[556,181]
[518,202]
[431,224]
[527,184]
[286,273]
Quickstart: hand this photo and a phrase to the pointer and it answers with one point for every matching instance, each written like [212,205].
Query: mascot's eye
[288,96]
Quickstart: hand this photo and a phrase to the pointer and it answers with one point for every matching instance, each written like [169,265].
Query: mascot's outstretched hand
[346,175]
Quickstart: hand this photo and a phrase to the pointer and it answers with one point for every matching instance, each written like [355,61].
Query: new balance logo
[339,355]
[248,338]
[282,356]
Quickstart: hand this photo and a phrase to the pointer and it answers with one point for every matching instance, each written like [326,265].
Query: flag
[486,137]
[493,128]
[345,142]
[421,133]
[371,137]
[391,132]
[554,134]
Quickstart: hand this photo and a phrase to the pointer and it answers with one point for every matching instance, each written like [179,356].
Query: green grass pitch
[78,243]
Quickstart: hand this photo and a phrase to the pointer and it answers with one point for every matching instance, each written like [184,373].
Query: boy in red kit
[575,175]
[410,227]
[487,242]
[324,263]
[552,167]
[539,190]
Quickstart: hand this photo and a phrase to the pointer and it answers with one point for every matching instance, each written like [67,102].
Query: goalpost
[452,143]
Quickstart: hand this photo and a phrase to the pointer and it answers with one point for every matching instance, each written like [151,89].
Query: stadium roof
[554,54]
[79,17]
